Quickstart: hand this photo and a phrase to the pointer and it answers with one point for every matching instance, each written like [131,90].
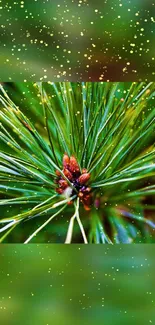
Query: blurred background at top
[77,40]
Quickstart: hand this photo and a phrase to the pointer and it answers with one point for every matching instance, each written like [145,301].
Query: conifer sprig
[110,130]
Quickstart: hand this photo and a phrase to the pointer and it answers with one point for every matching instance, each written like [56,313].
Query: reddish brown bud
[87,200]
[67,173]
[87,190]
[74,167]
[66,161]
[86,197]
[63,183]
[84,170]
[59,190]
[70,202]
[87,207]
[80,194]
[58,173]
[83,179]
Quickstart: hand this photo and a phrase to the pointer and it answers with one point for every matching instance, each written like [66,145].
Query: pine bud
[70,202]
[63,183]
[66,161]
[83,179]
[86,207]
[74,167]
[59,190]
[80,195]
[87,201]
[87,190]
[84,170]
[67,173]
[58,173]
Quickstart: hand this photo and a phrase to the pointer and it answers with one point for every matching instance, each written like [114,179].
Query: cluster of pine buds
[77,178]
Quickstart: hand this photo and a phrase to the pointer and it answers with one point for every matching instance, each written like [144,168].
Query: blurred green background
[74,284]
[77,40]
